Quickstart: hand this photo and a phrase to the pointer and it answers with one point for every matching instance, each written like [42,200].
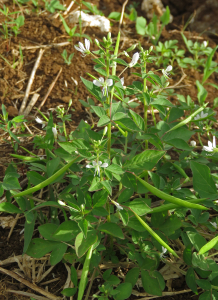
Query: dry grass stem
[30,82]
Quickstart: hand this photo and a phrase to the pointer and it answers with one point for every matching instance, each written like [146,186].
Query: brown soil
[44,30]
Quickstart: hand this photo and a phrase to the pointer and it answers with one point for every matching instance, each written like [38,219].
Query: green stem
[154,118]
[85,271]
[65,132]
[199,138]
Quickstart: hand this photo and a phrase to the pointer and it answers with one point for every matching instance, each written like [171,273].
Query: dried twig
[69,7]
[122,13]
[30,82]
[31,104]
[49,91]
[27,294]
[46,46]
[29,284]
[12,228]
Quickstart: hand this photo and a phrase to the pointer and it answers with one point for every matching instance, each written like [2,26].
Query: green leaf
[144,161]
[124,216]
[187,255]
[104,120]
[114,15]
[180,144]
[52,166]
[82,245]
[10,182]
[125,291]
[171,224]
[138,120]
[74,278]
[204,284]
[107,185]
[202,181]
[39,247]
[35,178]
[150,284]
[83,225]
[28,231]
[10,208]
[190,280]
[141,25]
[211,244]
[66,231]
[69,291]
[99,111]
[202,93]
[93,89]
[128,124]
[196,239]
[132,276]
[58,253]
[113,280]
[206,296]
[116,169]
[139,206]
[111,228]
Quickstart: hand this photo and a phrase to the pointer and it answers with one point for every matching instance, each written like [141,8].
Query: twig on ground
[28,128]
[46,46]
[69,7]
[12,228]
[27,294]
[32,76]
[122,13]
[31,104]
[29,284]
[49,91]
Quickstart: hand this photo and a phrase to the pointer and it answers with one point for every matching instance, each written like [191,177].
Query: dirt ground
[45,30]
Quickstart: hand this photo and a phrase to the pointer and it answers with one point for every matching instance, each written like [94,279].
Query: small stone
[66,99]
[12,111]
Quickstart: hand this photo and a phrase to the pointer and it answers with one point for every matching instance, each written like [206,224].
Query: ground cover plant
[124,189]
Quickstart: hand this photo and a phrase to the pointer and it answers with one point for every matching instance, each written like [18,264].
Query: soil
[45,30]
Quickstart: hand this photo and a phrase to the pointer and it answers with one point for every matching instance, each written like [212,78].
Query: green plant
[8,125]
[103,181]
[53,5]
[153,30]
[67,60]
[5,25]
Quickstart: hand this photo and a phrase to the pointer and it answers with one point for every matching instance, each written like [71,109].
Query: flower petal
[105,165]
[89,166]
[87,44]
[94,163]
[97,83]
[109,82]
[82,46]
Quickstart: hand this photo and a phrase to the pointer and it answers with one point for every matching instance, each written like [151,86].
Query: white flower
[122,82]
[119,207]
[105,84]
[216,185]
[165,72]
[43,123]
[164,250]
[214,224]
[97,166]
[205,43]
[178,189]
[193,143]
[54,130]
[201,116]
[82,49]
[211,146]
[134,60]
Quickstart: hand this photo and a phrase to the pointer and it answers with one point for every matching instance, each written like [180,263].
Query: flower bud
[193,143]
[97,42]
[131,48]
[105,131]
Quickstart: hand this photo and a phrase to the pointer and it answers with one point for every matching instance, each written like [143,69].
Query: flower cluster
[97,166]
